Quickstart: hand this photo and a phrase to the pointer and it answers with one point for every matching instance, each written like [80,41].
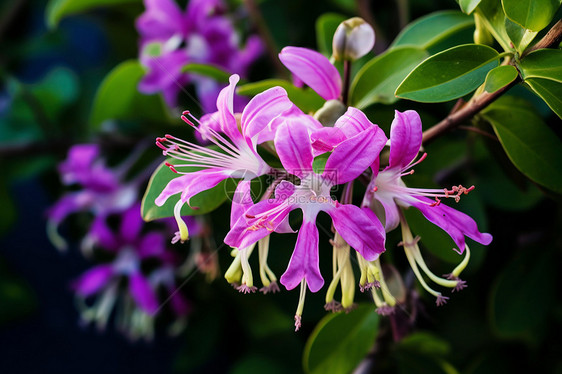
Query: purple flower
[172,38]
[122,280]
[358,227]
[389,190]
[236,156]
[313,69]
[387,195]
[103,191]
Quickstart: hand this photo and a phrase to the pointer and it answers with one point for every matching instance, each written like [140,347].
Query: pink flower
[388,189]
[172,38]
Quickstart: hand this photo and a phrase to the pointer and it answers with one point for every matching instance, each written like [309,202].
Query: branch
[478,103]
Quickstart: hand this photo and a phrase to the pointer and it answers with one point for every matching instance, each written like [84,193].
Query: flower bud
[330,112]
[353,39]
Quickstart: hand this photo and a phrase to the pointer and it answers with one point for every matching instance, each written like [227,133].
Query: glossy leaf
[449,74]
[206,201]
[549,91]
[207,70]
[306,99]
[520,292]
[326,26]
[340,341]
[58,9]
[378,79]
[543,63]
[542,72]
[118,97]
[519,36]
[534,15]
[491,15]
[528,142]
[468,6]
[430,30]
[500,77]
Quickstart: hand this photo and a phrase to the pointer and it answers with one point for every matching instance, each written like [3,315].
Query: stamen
[385,310]
[300,307]
[273,288]
[266,275]
[441,300]
[333,306]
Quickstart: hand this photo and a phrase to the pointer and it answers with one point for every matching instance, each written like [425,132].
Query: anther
[441,300]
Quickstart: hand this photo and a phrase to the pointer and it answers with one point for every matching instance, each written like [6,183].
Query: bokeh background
[508,319]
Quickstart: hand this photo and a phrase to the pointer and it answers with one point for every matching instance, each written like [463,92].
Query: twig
[476,104]
[479,131]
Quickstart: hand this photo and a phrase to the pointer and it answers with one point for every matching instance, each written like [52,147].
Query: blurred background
[508,319]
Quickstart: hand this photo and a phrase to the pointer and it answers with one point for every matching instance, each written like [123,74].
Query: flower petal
[305,263]
[102,234]
[405,138]
[93,280]
[161,20]
[241,201]
[313,69]
[325,139]
[262,109]
[191,184]
[225,106]
[259,221]
[142,293]
[453,222]
[152,244]
[391,211]
[292,144]
[360,228]
[294,117]
[131,223]
[354,155]
[353,122]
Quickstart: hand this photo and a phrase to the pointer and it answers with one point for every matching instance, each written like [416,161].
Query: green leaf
[326,26]
[306,99]
[521,299]
[519,36]
[534,15]
[449,74]
[432,29]
[58,9]
[543,63]
[205,201]
[340,341]
[491,15]
[542,72]
[378,79]
[468,6]
[207,70]
[549,91]
[528,142]
[118,97]
[500,77]
[425,342]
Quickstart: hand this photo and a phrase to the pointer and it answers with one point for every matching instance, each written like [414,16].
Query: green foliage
[326,26]
[468,6]
[529,143]
[500,77]
[431,30]
[519,36]
[534,15]
[306,99]
[449,74]
[423,352]
[491,14]
[208,71]
[377,80]
[118,97]
[202,203]
[542,72]
[340,341]
[58,9]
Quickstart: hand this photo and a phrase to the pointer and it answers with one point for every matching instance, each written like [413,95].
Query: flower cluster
[349,146]
[171,38]
[135,270]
